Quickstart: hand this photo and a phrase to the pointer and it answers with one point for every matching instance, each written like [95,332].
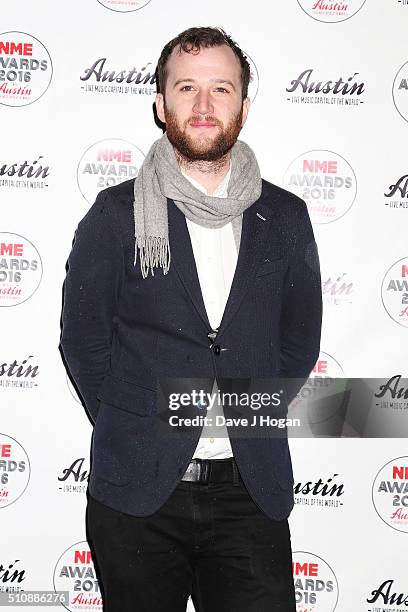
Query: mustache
[204,118]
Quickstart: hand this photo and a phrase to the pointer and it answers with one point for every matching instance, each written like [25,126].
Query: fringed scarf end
[154,252]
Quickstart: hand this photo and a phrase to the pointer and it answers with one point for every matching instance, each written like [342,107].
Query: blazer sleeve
[91,291]
[301,316]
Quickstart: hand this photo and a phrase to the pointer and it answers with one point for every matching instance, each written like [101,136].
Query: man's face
[202,108]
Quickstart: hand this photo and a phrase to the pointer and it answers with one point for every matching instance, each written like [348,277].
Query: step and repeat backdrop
[328,121]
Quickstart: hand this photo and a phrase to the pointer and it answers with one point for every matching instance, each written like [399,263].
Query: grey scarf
[160,178]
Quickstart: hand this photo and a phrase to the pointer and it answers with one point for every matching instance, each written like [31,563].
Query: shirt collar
[222,189]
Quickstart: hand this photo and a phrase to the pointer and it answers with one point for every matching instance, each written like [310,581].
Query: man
[200,270]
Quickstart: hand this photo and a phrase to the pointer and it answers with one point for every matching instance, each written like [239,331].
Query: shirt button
[211,440]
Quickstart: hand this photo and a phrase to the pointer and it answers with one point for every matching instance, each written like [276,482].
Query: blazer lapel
[255,224]
[182,259]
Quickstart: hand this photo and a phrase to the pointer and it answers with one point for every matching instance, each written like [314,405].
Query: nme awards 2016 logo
[124,6]
[324,371]
[72,390]
[307,89]
[74,572]
[390,494]
[253,84]
[327,366]
[316,586]
[14,470]
[398,193]
[25,69]
[329,11]
[326,182]
[322,418]
[106,163]
[400,91]
[20,269]
[394,291]
[24,175]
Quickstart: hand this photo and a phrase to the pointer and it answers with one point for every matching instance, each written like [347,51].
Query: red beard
[209,149]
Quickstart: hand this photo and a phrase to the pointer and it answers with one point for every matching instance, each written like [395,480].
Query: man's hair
[192,40]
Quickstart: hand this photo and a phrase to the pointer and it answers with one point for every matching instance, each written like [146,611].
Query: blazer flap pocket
[127,396]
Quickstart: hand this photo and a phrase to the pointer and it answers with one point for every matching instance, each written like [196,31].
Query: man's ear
[245,109]
[160,107]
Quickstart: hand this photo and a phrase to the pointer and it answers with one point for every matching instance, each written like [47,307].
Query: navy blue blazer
[120,333]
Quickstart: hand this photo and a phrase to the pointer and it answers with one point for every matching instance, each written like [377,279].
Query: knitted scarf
[160,178]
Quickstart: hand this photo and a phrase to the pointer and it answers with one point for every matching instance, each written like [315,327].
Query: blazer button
[217,349]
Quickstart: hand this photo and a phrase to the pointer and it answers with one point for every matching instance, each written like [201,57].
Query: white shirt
[215,254]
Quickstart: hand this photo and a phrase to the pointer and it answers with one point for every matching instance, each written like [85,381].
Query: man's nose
[203,104]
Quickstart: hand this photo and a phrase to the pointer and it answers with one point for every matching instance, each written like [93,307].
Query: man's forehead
[207,60]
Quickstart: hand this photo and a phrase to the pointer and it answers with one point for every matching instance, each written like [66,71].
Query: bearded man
[198,269]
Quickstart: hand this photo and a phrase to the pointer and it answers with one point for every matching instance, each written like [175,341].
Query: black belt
[204,471]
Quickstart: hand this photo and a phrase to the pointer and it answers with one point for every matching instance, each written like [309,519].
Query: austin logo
[100,78]
[329,11]
[11,577]
[397,193]
[319,493]
[16,375]
[386,595]
[74,478]
[337,290]
[393,394]
[124,6]
[309,89]
[24,175]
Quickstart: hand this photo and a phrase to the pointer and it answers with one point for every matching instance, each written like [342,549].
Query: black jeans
[210,541]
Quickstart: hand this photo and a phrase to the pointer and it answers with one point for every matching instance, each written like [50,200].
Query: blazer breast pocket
[270,266]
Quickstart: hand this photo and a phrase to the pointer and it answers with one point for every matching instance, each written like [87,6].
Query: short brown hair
[192,40]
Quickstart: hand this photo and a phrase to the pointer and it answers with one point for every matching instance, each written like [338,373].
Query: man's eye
[222,89]
[186,88]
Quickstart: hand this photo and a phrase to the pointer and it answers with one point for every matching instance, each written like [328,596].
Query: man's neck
[208,174]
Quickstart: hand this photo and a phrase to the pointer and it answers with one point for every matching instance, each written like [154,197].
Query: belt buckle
[203,470]
[198,471]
